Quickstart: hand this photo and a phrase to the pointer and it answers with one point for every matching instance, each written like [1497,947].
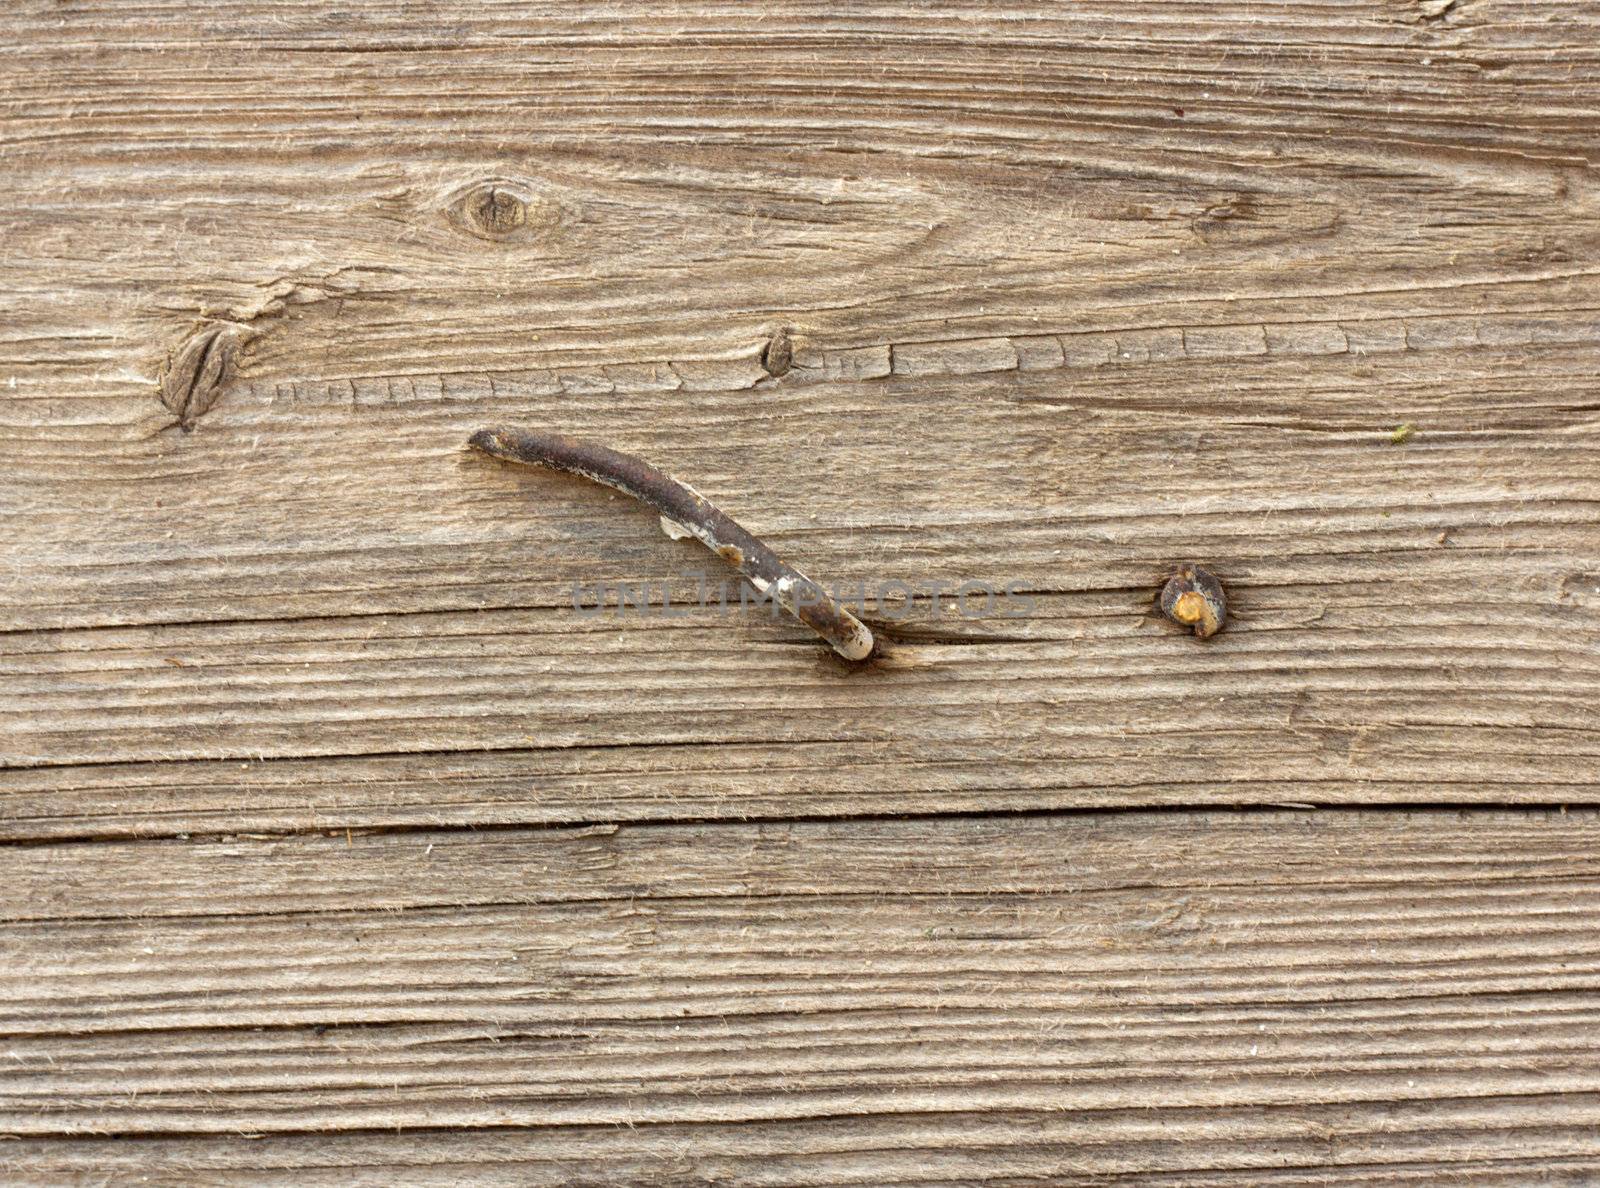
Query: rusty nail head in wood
[1194,598]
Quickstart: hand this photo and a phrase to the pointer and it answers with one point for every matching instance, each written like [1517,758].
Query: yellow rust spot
[1189,608]
[732,554]
[1192,608]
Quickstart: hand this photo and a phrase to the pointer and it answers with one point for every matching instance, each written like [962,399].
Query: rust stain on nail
[1194,598]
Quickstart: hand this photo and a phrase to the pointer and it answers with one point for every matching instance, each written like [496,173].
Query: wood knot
[195,371]
[778,355]
[504,211]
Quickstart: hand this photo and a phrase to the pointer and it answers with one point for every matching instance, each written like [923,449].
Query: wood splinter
[787,586]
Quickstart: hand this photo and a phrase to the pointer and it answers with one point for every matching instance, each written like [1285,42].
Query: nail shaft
[787,586]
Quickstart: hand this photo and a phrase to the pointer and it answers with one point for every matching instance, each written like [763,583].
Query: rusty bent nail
[790,588]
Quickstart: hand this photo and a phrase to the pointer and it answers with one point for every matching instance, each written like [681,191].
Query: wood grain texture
[1067,297]
[341,847]
[1026,996]
[512,716]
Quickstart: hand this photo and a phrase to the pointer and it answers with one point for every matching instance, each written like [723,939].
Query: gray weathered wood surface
[340,848]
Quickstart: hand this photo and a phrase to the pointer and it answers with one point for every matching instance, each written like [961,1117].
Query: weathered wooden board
[1068,296]
[659,720]
[1187,991]
[341,847]
[1447,1143]
[1368,610]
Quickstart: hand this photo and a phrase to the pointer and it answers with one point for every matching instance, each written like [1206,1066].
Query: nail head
[1194,598]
